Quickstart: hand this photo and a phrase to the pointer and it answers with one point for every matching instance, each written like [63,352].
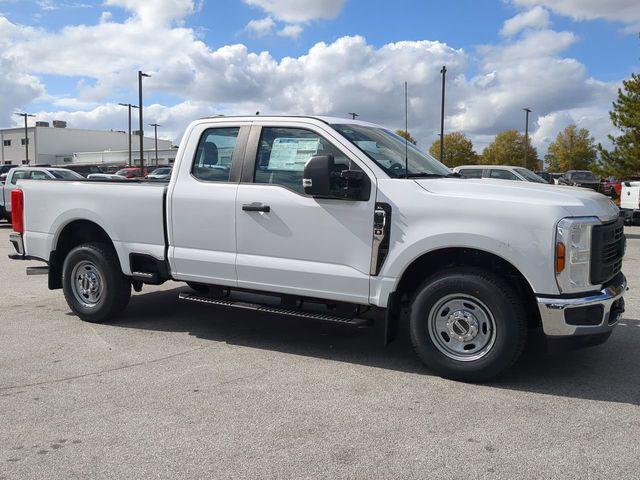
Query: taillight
[17,210]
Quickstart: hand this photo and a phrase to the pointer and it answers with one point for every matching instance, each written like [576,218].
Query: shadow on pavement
[606,373]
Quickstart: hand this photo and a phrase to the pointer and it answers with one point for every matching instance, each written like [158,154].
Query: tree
[573,149]
[508,149]
[406,135]
[624,160]
[458,150]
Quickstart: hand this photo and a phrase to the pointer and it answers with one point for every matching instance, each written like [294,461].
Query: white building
[57,145]
[166,156]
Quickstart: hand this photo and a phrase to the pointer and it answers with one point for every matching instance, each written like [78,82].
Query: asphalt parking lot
[172,390]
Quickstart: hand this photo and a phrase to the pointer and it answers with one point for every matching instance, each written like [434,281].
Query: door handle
[256,207]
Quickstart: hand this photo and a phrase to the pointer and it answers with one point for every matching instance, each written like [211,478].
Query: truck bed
[132,214]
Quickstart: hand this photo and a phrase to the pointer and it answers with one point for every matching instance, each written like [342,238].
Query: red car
[611,186]
[132,172]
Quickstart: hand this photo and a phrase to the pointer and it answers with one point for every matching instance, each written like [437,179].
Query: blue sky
[577,56]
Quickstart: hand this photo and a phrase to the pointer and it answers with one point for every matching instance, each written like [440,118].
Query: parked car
[580,178]
[499,172]
[611,187]
[132,172]
[84,170]
[339,221]
[106,176]
[5,168]
[30,173]
[161,173]
[630,202]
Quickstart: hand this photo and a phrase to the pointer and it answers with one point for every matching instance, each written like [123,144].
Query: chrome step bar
[352,321]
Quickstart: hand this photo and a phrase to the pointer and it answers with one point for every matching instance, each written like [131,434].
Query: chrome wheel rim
[87,283]
[462,327]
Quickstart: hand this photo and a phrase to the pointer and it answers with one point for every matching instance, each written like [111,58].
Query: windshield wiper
[432,175]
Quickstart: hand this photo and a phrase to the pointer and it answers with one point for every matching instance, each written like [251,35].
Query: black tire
[115,287]
[497,315]
[198,287]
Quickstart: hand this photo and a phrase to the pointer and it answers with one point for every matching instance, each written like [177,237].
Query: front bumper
[593,316]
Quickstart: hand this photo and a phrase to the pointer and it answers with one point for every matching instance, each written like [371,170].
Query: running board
[352,321]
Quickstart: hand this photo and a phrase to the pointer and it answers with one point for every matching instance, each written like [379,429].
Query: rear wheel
[467,324]
[94,286]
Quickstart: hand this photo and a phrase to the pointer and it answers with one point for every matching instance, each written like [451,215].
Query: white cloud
[156,12]
[112,116]
[300,11]
[347,75]
[294,12]
[537,17]
[625,11]
[261,27]
[291,31]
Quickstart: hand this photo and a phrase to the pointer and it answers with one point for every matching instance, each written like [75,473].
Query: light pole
[443,71]
[26,135]
[141,132]
[526,134]
[353,115]
[129,106]
[155,131]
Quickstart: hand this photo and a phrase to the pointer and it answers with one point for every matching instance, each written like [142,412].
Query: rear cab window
[214,154]
[18,175]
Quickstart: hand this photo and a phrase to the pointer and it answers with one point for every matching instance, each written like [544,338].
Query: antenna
[406,132]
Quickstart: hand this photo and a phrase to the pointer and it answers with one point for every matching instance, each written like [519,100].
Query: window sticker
[292,153]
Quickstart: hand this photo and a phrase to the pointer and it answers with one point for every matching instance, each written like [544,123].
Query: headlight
[573,253]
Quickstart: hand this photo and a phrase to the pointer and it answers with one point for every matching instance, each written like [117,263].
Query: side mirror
[316,179]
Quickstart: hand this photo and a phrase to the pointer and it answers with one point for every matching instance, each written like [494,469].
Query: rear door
[292,243]
[202,210]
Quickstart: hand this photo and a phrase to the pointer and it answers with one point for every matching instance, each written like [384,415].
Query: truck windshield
[387,150]
[587,176]
[66,175]
[530,176]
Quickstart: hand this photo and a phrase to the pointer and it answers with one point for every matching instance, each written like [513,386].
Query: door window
[212,162]
[471,172]
[502,174]
[283,153]
[39,176]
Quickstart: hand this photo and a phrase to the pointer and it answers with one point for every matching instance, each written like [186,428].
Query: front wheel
[467,324]
[93,283]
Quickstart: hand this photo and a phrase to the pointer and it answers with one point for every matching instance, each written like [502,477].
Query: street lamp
[26,135]
[155,131]
[141,132]
[443,71]
[526,134]
[129,106]
[353,115]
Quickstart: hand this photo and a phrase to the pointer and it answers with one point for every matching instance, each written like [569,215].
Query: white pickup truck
[339,221]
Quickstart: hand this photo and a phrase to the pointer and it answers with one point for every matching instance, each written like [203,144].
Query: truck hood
[577,202]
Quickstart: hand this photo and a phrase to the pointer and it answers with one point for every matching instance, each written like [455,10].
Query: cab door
[292,243]
[201,212]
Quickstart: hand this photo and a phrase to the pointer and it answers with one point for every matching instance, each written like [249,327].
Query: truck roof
[322,118]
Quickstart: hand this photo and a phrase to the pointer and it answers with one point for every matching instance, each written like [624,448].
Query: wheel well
[437,260]
[73,234]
